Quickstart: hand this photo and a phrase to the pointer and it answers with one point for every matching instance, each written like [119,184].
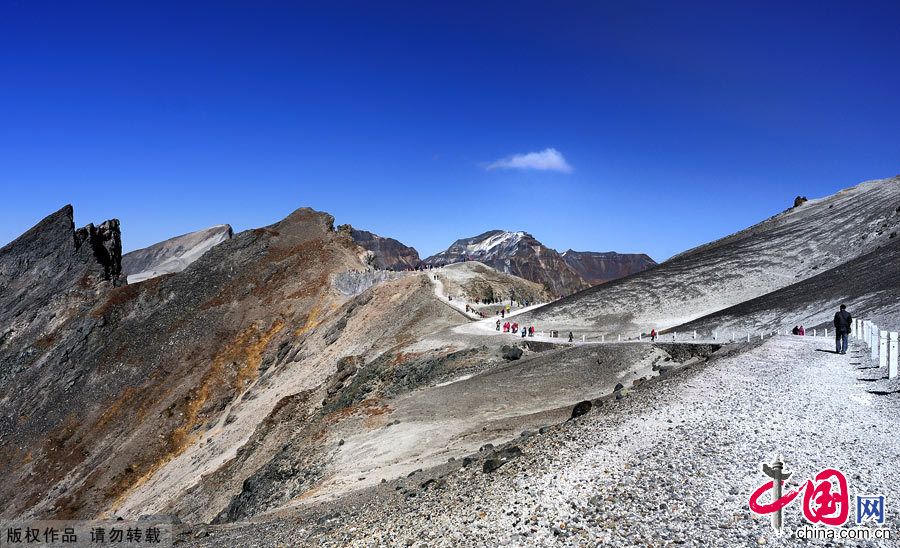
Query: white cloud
[548,159]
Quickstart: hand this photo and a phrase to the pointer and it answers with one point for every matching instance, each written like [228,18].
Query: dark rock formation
[581,408]
[387,253]
[105,242]
[500,458]
[800,200]
[597,268]
[511,352]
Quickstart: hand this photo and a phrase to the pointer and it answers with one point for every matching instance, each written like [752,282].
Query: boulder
[581,408]
[511,353]
[500,458]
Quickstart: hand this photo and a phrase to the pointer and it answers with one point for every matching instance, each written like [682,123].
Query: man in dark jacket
[842,323]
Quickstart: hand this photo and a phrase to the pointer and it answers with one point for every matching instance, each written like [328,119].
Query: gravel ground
[671,463]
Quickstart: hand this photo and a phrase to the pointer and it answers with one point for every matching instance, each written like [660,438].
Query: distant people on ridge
[652,335]
[802,332]
[795,330]
[842,323]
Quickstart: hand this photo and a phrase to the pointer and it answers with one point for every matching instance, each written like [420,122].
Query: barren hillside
[783,250]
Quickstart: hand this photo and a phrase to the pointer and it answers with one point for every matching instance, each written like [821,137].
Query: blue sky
[658,125]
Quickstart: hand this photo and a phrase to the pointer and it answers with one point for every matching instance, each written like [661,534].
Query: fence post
[874,342]
[732,336]
[826,331]
[582,338]
[640,337]
[882,348]
[814,332]
[602,338]
[715,336]
[674,335]
[892,367]
[748,337]
[620,338]
[694,335]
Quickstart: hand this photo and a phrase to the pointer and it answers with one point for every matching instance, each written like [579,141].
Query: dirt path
[678,463]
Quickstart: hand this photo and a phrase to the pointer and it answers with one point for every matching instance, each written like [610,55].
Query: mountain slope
[597,268]
[100,392]
[868,285]
[789,247]
[174,254]
[516,253]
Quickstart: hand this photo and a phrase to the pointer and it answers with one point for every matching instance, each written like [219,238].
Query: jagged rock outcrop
[174,254]
[105,242]
[597,268]
[48,275]
[387,253]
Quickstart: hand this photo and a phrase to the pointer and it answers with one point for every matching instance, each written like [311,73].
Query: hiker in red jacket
[652,335]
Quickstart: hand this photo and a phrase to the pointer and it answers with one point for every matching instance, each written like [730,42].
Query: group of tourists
[513,327]
[798,330]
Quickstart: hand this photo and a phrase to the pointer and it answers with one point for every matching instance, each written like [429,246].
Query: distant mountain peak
[173,255]
[518,252]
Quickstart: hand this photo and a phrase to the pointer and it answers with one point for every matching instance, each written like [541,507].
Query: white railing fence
[882,344]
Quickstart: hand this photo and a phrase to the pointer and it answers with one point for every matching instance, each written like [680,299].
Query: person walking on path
[571,337]
[842,322]
[652,335]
